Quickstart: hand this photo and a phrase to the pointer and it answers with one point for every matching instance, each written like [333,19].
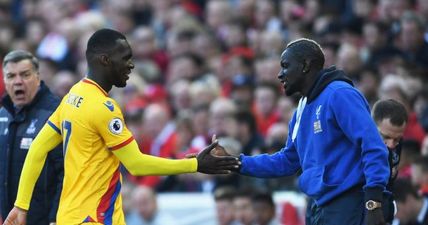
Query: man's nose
[391,144]
[17,80]
[280,75]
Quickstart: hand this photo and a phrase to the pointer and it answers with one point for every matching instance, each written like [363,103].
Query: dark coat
[17,131]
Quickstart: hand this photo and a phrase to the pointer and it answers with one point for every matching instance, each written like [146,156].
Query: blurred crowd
[205,67]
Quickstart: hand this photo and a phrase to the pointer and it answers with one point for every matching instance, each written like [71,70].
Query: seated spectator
[223,198]
[251,140]
[412,207]
[265,101]
[410,150]
[264,209]
[244,213]
[145,210]
[420,174]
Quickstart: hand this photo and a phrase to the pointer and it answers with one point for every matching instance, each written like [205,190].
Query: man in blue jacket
[332,140]
[26,107]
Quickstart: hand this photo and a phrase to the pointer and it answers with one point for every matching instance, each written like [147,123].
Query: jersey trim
[89,219]
[116,147]
[86,80]
[54,127]
[106,207]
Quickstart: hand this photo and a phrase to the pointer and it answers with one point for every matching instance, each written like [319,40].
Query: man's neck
[93,74]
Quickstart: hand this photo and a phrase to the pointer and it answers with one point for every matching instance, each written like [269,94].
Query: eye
[10,76]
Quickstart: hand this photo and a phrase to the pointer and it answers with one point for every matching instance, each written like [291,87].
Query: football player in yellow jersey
[95,140]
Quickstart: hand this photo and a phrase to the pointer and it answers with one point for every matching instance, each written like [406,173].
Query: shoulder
[106,105]
[338,84]
[48,101]
[341,89]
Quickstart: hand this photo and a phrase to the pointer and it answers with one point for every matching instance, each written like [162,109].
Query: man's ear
[307,63]
[104,59]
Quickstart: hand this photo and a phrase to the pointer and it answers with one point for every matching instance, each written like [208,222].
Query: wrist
[372,205]
[375,194]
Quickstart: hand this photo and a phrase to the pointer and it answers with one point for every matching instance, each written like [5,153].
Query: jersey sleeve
[45,141]
[139,164]
[108,121]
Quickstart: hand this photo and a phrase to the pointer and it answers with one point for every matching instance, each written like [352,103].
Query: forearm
[45,141]
[140,164]
[269,166]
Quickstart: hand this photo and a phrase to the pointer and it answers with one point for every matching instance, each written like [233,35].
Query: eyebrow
[21,72]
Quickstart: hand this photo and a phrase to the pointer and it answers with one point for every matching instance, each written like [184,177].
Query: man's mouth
[19,94]
[127,74]
[284,83]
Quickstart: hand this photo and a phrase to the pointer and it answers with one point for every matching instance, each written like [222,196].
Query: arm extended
[139,164]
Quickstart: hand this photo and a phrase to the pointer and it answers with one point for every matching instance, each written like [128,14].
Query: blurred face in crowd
[145,202]
[265,99]
[243,210]
[372,36]
[263,212]
[407,210]
[391,134]
[225,211]
[291,73]
[419,177]
[412,38]
[22,81]
[144,42]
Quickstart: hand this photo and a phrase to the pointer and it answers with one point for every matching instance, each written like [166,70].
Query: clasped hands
[214,159]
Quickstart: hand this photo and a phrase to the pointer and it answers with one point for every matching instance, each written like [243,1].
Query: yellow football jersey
[91,125]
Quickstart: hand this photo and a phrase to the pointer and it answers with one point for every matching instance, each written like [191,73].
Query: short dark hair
[404,188]
[102,41]
[19,55]
[224,193]
[308,49]
[265,197]
[389,109]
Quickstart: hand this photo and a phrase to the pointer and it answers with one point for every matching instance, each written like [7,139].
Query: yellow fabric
[139,164]
[91,124]
[94,138]
[46,140]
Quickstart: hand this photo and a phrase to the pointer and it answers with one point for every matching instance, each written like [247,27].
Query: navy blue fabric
[333,213]
[17,130]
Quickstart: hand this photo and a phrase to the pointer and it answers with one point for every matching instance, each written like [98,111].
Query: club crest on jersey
[109,105]
[115,126]
[32,128]
[317,123]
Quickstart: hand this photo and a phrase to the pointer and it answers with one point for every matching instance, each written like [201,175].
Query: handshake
[214,159]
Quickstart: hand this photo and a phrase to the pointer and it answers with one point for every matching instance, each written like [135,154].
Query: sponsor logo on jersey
[26,143]
[115,126]
[109,105]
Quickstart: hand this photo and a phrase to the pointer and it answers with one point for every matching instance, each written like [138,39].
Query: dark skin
[298,76]
[113,69]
